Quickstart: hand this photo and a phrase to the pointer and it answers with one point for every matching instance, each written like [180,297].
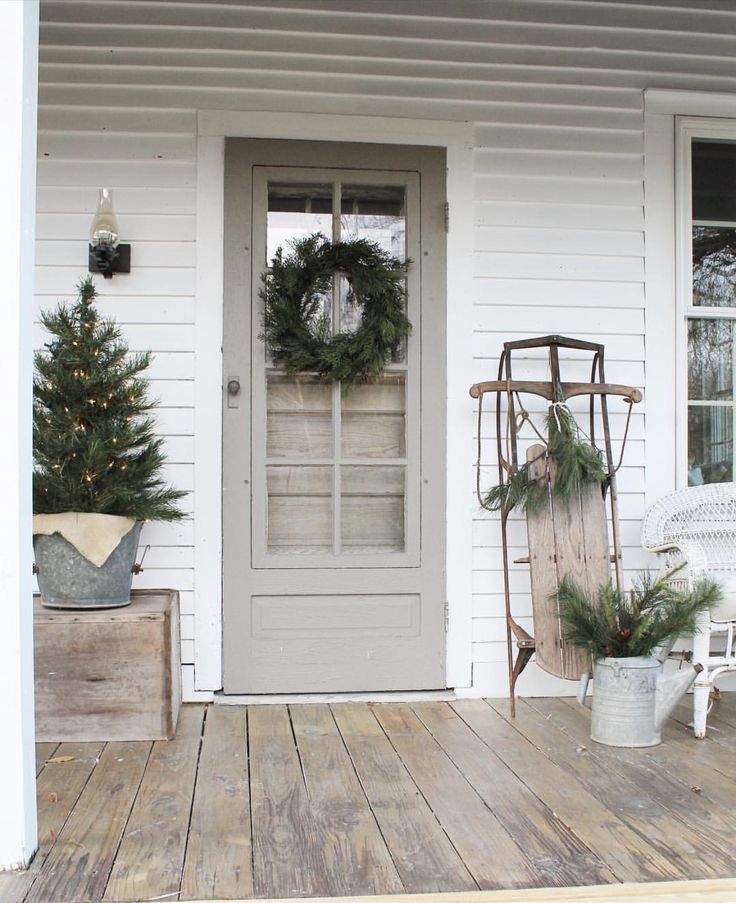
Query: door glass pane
[299,509]
[372,509]
[350,315]
[376,213]
[299,417]
[373,418]
[711,397]
[296,211]
[324,493]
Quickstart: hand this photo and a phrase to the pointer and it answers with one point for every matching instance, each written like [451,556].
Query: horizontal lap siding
[555,92]
[147,157]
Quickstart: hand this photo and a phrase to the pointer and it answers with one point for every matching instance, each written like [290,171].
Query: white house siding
[555,90]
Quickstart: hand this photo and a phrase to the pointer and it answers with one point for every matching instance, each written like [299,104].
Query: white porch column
[18,104]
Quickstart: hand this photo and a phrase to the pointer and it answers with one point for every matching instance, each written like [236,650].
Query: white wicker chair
[698,525]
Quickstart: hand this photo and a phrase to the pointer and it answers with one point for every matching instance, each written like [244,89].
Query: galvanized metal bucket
[67,580]
[624,701]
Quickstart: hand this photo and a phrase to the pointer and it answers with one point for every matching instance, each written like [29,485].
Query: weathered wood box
[109,674]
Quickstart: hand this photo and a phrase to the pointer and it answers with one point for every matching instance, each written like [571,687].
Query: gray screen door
[333,500]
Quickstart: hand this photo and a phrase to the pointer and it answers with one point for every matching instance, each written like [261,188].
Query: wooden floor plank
[44,751]
[218,856]
[79,862]
[719,726]
[358,861]
[708,752]
[288,860]
[489,853]
[628,855]
[683,760]
[556,852]
[646,817]
[424,857]
[58,788]
[723,710]
[361,799]
[149,860]
[701,796]
[679,815]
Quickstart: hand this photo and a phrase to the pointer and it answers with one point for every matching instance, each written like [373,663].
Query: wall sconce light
[106,254]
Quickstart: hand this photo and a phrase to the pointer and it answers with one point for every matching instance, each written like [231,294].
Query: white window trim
[686,129]
[458,138]
[670,120]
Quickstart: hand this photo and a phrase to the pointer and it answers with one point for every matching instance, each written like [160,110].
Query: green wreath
[298,333]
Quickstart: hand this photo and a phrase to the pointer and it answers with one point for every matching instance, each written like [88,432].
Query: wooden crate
[109,674]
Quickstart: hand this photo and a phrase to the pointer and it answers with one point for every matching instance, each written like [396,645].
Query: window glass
[336,458]
[710,341]
[710,400]
[296,211]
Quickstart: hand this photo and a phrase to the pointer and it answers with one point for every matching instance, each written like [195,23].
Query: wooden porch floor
[354,799]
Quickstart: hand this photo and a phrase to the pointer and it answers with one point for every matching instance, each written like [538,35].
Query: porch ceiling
[310,800]
[450,58]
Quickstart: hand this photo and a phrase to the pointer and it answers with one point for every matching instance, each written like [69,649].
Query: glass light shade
[104,230]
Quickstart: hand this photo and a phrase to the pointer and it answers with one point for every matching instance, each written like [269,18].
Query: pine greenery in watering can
[632,696]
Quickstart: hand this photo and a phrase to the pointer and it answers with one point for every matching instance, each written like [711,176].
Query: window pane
[376,213]
[714,266]
[373,419]
[372,509]
[299,417]
[711,397]
[710,444]
[714,181]
[299,509]
[710,360]
[350,314]
[296,211]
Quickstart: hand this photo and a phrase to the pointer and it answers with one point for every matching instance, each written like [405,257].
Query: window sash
[690,130]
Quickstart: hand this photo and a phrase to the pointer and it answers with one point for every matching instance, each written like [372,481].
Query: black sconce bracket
[107,260]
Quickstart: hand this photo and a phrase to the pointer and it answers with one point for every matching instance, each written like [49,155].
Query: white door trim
[458,138]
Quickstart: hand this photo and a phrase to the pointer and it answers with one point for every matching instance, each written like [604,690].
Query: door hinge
[447,216]
[447,615]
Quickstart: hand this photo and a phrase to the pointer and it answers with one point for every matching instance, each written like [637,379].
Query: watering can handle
[138,566]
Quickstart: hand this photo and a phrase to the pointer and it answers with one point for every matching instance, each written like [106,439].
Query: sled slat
[565,537]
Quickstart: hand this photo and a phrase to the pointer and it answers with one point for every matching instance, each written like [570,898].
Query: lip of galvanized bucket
[67,580]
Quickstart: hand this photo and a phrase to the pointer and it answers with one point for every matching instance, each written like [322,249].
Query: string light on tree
[95,449]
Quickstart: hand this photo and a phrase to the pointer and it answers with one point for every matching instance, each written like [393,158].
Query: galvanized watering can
[632,697]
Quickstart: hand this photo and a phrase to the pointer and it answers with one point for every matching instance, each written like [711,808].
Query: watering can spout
[670,690]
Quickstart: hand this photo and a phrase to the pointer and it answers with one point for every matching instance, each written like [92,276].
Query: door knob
[233,386]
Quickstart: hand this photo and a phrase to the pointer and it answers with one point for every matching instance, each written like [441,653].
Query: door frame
[213,127]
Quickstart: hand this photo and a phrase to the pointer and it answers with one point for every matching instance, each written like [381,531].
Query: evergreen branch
[574,463]
[619,624]
[296,330]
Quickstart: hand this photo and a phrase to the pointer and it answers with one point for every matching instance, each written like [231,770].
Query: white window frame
[668,288]
[687,129]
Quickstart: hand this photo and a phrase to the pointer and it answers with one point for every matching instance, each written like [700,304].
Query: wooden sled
[570,537]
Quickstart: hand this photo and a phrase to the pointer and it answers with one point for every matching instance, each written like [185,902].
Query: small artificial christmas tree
[94,445]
